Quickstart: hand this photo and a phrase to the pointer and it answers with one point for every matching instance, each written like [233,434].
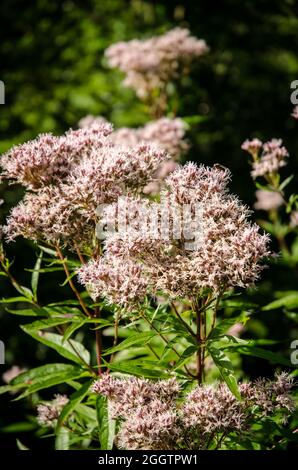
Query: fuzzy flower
[268,200]
[295,112]
[48,159]
[120,283]
[152,63]
[208,410]
[217,249]
[270,160]
[98,173]
[252,146]
[49,412]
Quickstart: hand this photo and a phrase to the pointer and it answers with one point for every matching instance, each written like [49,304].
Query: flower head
[151,63]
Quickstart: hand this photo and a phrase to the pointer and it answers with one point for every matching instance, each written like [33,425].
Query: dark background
[54,72]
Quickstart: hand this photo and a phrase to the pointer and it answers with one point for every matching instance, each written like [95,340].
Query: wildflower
[156,415]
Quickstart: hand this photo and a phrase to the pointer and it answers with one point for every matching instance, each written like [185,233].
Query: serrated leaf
[225,368]
[289,301]
[74,326]
[35,275]
[27,312]
[47,250]
[185,356]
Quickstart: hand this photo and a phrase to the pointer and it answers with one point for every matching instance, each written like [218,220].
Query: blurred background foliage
[54,72]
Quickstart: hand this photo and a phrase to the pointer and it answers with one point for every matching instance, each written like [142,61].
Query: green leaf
[289,301]
[62,439]
[35,275]
[106,426]
[195,119]
[140,338]
[10,388]
[225,367]
[74,326]
[139,368]
[185,356]
[25,291]
[56,342]
[74,400]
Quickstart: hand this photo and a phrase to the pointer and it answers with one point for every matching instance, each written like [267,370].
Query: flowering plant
[155,312]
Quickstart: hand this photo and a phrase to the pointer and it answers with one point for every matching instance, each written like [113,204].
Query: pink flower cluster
[270,160]
[150,64]
[158,415]
[49,412]
[68,177]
